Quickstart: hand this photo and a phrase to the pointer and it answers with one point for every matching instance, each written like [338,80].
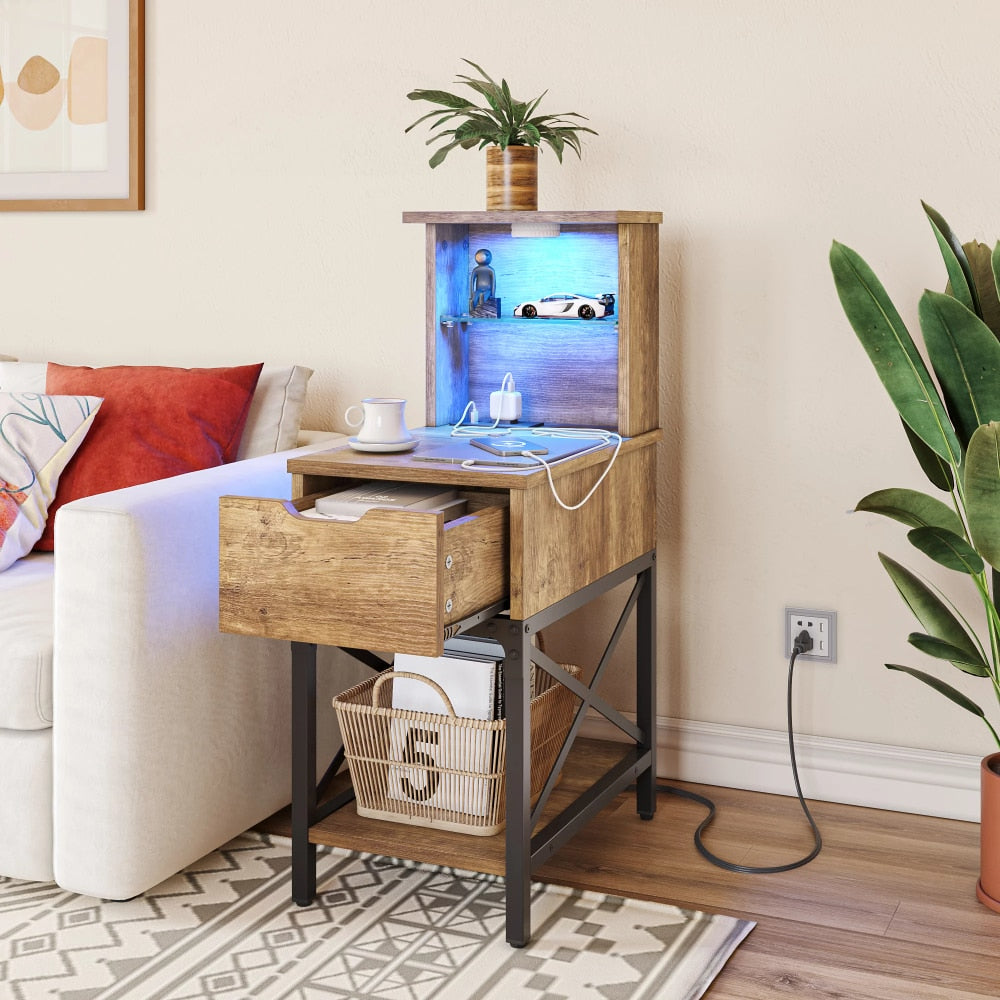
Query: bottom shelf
[588,760]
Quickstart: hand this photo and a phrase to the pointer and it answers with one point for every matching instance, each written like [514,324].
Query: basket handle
[389,674]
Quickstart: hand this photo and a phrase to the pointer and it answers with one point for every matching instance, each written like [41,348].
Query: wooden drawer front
[384,582]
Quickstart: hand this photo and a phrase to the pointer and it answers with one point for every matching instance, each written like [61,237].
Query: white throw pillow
[275,411]
[22,376]
[39,434]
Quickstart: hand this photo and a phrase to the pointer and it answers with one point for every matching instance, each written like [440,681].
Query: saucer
[383,446]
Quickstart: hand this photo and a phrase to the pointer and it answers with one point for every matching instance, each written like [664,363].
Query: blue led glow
[581,260]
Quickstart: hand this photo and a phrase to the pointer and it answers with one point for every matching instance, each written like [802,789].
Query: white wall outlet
[821,625]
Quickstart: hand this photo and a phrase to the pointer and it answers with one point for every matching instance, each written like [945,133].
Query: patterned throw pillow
[39,434]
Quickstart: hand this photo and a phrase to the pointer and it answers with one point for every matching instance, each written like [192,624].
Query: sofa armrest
[170,737]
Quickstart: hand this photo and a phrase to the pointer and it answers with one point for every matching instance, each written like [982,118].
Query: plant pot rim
[513,147]
[991,763]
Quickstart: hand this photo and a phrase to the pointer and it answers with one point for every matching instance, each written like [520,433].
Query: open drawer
[393,580]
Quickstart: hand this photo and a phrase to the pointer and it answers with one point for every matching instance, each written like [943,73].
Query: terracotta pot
[988,889]
[512,179]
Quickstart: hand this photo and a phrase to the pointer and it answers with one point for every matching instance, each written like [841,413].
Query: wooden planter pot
[988,889]
[512,179]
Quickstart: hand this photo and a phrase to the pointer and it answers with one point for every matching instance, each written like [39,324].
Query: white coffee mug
[381,420]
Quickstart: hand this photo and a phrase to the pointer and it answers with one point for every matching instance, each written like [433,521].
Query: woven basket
[443,771]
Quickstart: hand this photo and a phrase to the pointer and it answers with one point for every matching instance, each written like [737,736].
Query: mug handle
[347,416]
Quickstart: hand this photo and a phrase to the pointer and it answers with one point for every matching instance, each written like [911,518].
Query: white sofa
[135,737]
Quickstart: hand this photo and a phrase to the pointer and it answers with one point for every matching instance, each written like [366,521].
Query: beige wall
[278,170]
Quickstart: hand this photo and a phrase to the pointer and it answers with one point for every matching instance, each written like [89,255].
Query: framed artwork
[71,105]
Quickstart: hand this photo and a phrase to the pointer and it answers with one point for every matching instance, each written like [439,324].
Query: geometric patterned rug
[380,928]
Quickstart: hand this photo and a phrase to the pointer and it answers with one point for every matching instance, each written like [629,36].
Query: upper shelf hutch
[575,372]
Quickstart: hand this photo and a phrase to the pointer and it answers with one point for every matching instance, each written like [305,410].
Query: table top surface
[439,458]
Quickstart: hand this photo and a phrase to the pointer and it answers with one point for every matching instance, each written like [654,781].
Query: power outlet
[821,625]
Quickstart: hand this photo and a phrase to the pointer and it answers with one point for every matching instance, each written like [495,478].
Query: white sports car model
[565,305]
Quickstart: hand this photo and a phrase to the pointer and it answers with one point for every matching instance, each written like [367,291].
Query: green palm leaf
[892,352]
[912,508]
[980,259]
[439,156]
[511,122]
[965,356]
[936,618]
[945,651]
[440,97]
[479,69]
[963,284]
[995,262]
[489,90]
[947,548]
[953,694]
[935,468]
[982,491]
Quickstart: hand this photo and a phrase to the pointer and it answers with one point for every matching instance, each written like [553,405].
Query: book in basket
[471,677]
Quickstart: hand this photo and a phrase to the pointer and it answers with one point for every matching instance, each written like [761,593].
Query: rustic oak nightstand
[514,563]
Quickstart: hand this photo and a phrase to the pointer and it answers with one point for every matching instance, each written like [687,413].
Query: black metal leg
[303,771]
[517,694]
[645,676]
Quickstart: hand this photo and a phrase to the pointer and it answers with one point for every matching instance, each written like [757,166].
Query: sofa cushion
[22,376]
[276,411]
[39,435]
[273,422]
[156,422]
[26,663]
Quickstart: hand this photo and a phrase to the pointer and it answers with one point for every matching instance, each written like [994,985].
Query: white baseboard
[927,782]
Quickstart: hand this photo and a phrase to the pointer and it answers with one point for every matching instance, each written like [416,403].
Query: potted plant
[511,130]
[952,422]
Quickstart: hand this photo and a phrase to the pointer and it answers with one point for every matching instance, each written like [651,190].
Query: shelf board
[575,320]
[588,760]
[505,218]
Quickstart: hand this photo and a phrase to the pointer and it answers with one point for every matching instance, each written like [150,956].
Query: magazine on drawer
[351,504]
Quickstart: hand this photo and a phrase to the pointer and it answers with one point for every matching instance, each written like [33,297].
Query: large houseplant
[952,422]
[511,131]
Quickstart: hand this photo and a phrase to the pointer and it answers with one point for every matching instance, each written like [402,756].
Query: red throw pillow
[155,422]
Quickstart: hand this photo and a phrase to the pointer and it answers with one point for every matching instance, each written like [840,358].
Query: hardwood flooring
[886,912]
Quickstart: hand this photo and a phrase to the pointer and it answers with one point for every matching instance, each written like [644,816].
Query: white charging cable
[606,438]
[472,430]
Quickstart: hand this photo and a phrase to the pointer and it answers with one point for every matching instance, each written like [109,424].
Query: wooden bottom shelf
[588,760]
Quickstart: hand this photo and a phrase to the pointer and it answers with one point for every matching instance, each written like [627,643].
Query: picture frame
[72,105]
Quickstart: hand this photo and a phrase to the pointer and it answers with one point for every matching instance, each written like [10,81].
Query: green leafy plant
[952,421]
[504,122]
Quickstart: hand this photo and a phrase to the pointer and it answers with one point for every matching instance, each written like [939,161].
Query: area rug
[380,928]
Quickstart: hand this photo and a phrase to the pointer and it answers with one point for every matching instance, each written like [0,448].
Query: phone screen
[507,446]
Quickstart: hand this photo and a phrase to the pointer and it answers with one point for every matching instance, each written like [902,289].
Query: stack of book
[351,504]
[456,774]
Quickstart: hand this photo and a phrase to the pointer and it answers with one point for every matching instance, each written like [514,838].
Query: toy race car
[566,306]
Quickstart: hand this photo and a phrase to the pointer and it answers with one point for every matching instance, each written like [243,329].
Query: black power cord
[803,643]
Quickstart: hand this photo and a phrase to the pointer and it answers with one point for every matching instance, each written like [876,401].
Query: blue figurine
[483,286]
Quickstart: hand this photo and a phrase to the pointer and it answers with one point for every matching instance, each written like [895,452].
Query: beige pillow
[22,376]
[275,411]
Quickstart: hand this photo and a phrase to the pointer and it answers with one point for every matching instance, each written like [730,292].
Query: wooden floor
[886,912]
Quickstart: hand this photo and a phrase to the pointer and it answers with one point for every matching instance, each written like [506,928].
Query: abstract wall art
[71,105]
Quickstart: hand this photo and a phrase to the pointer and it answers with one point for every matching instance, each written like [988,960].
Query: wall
[278,171]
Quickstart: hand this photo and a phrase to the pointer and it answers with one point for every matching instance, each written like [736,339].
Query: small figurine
[483,287]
